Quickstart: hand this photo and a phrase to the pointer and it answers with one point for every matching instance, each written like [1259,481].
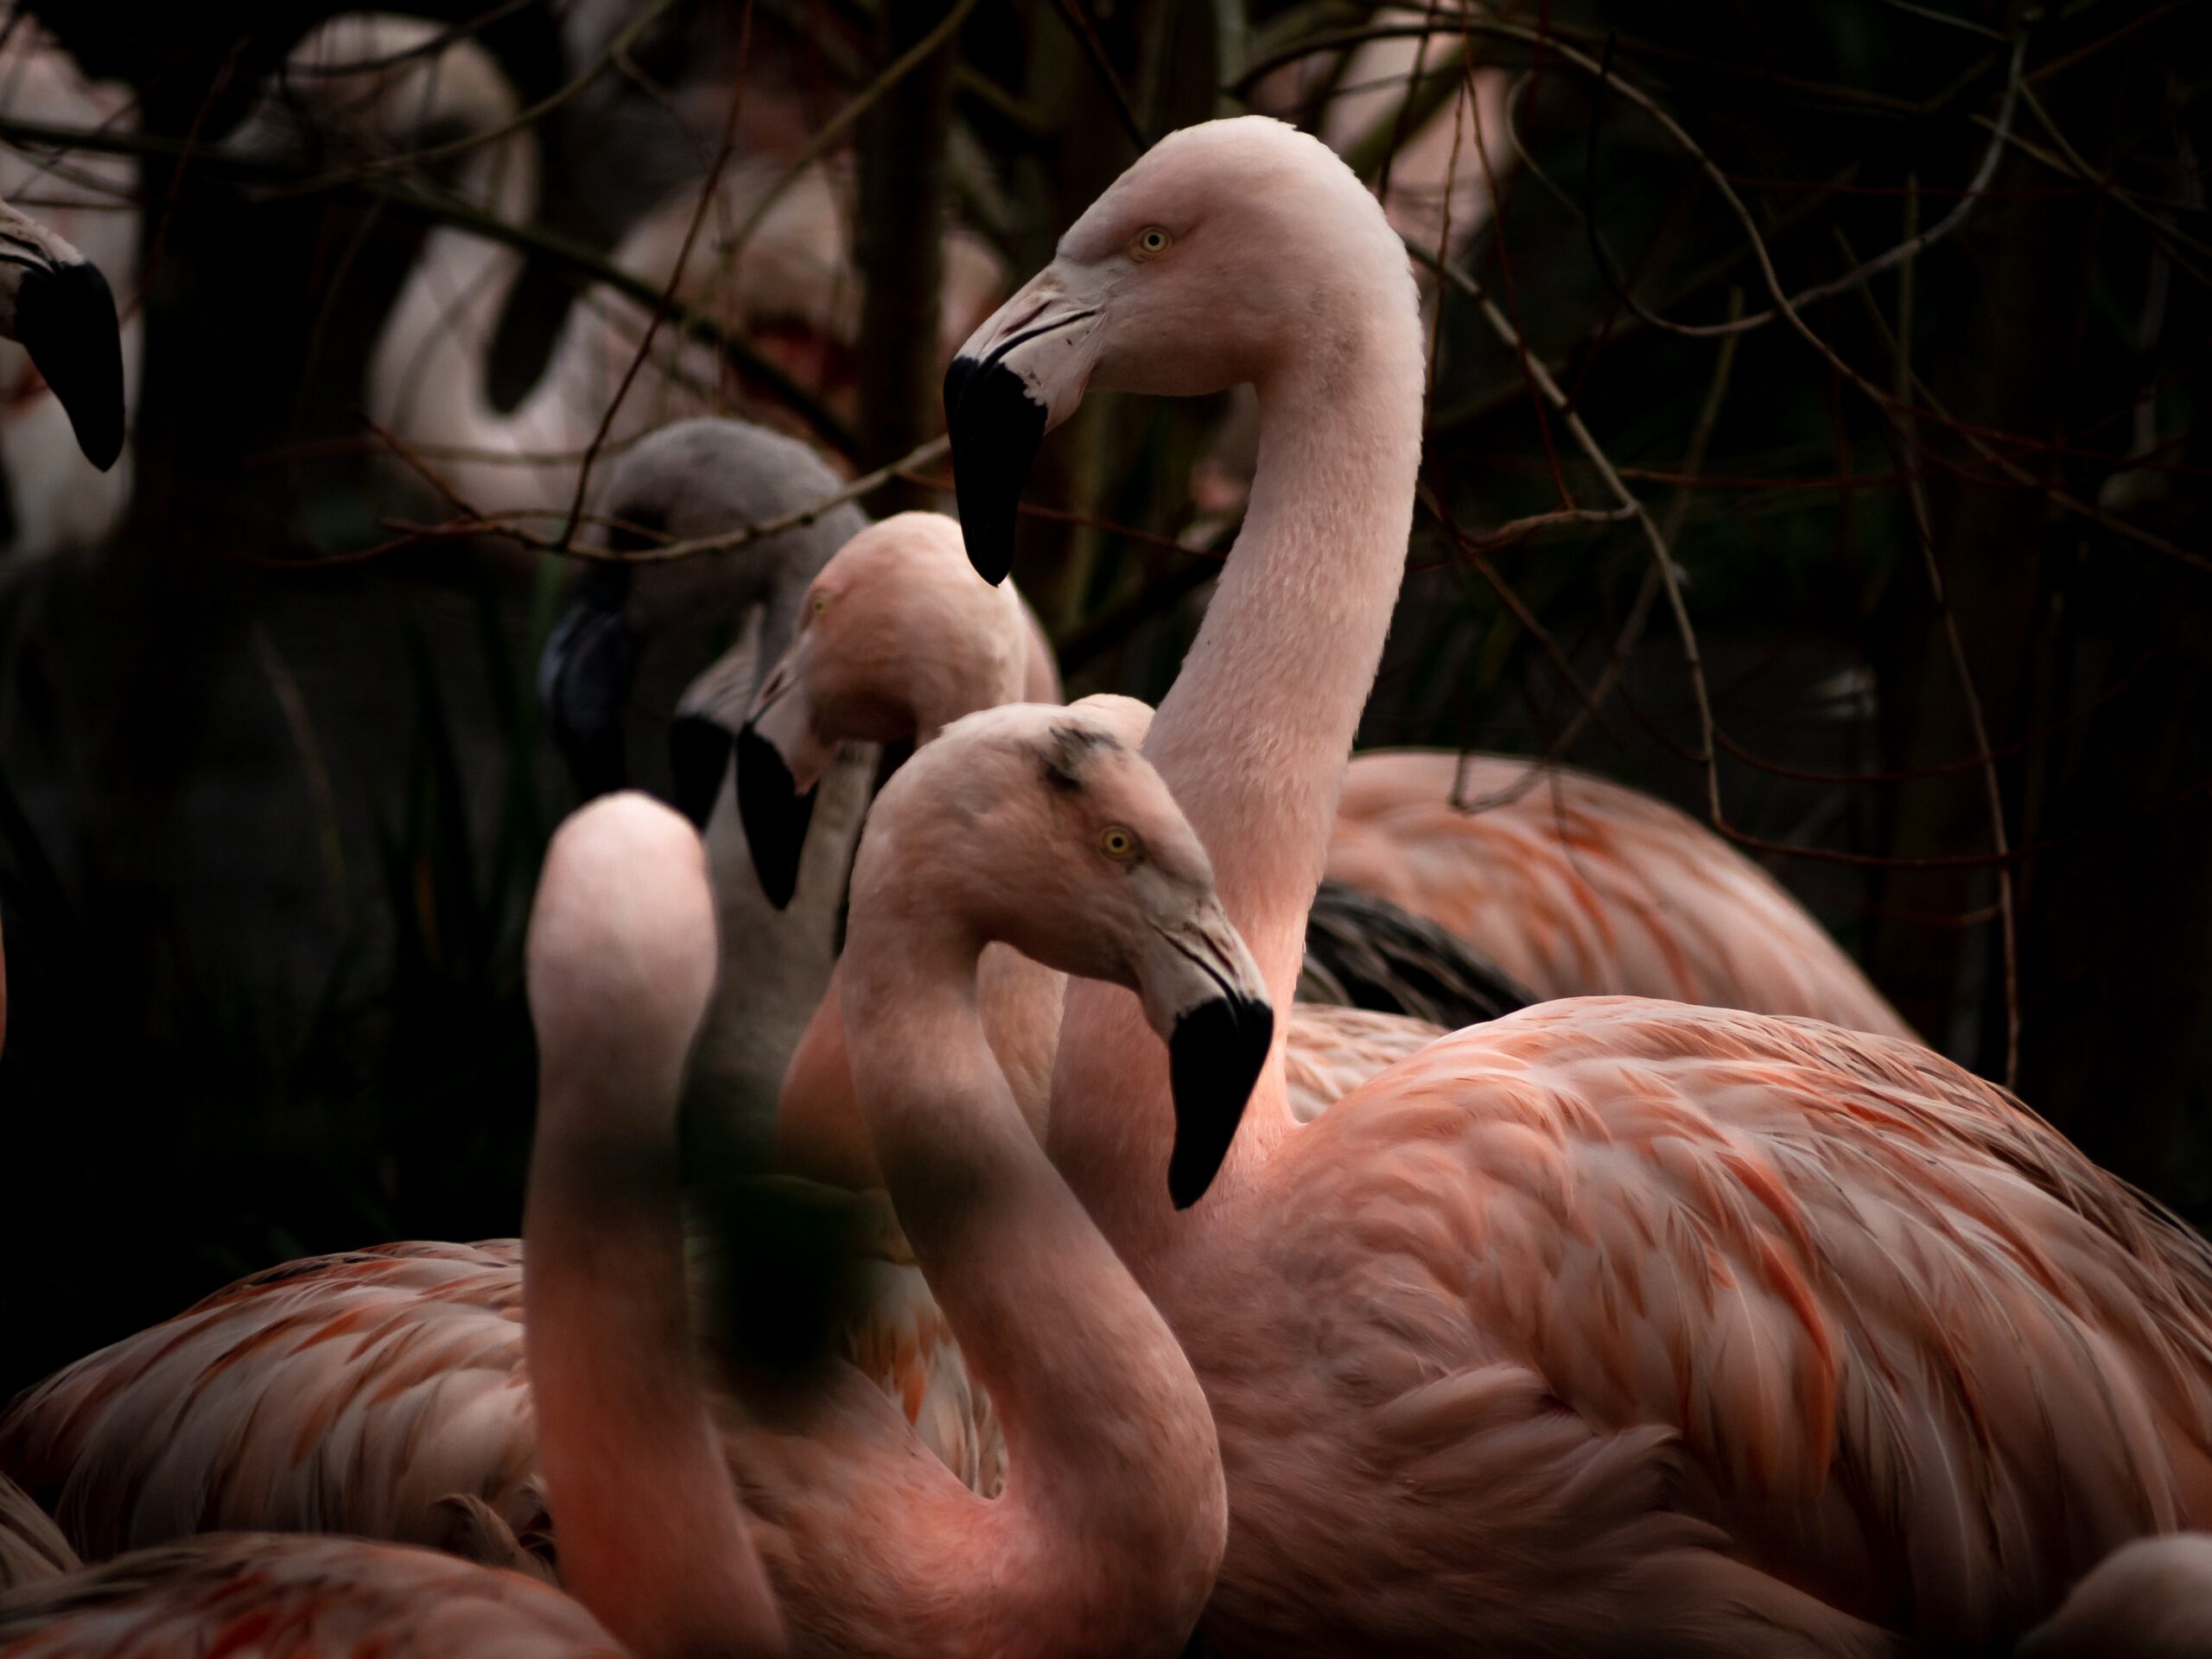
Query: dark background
[271,810]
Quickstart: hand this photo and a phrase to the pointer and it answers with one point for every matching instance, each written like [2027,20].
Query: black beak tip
[774,813]
[66,318]
[699,754]
[1214,1059]
[996,427]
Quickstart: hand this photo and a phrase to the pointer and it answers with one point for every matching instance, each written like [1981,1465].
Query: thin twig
[1889,260]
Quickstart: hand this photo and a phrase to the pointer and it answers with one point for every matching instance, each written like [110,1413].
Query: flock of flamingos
[1691,1305]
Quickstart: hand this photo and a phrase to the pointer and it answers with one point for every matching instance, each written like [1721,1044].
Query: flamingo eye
[1117,843]
[821,603]
[1151,243]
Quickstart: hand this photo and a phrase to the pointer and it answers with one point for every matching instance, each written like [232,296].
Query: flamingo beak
[1019,376]
[699,754]
[584,679]
[1203,992]
[780,758]
[65,317]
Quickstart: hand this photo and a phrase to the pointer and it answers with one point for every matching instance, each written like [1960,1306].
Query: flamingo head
[1040,827]
[621,953]
[1225,251]
[56,303]
[896,636]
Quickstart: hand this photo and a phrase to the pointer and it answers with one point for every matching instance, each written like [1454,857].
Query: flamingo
[898,638]
[1578,885]
[302,1597]
[1034,826]
[1612,1325]
[2149,1599]
[632,629]
[68,477]
[401,82]
[56,304]
[620,962]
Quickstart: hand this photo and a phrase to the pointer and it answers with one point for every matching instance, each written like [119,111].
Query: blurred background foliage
[272,788]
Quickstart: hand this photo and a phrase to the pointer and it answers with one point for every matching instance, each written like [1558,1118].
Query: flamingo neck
[429,375]
[1111,1529]
[652,1538]
[1254,735]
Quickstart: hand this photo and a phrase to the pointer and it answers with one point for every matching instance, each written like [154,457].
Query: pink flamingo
[621,957]
[1612,1325]
[302,1596]
[1034,827]
[1578,886]
[898,638]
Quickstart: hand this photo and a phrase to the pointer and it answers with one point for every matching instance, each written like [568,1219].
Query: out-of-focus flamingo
[66,472]
[2150,1599]
[1033,825]
[395,84]
[55,303]
[1435,191]
[619,661]
[620,963]
[1612,1325]
[301,1597]
[786,284]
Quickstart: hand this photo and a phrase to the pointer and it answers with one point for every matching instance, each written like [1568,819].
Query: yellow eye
[821,603]
[1152,242]
[1117,843]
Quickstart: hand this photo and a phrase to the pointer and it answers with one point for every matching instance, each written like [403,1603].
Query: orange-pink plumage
[1577,886]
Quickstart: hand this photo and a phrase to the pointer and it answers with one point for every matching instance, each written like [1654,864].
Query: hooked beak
[1019,376]
[699,754]
[584,679]
[1203,992]
[780,758]
[65,317]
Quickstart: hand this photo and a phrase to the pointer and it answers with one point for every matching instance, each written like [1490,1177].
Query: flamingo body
[295,1597]
[1706,1313]
[350,1393]
[1576,885]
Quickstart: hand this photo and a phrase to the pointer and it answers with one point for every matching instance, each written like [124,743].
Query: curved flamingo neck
[1115,1513]
[652,1537]
[1254,735]
[429,374]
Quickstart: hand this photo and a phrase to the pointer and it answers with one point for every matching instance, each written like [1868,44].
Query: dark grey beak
[774,813]
[65,317]
[1214,1059]
[996,427]
[699,754]
[584,680]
